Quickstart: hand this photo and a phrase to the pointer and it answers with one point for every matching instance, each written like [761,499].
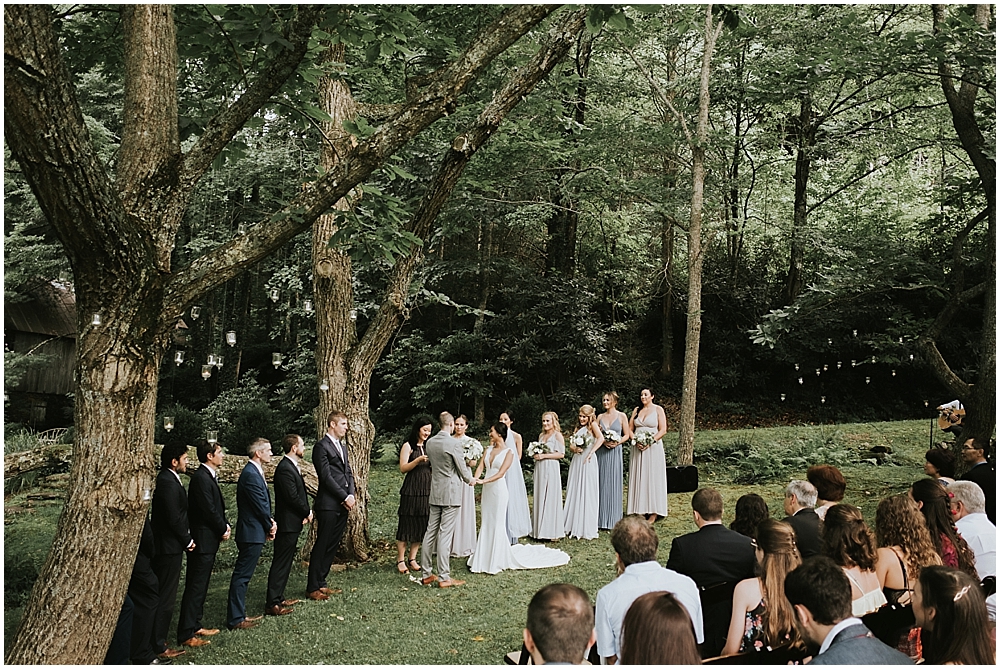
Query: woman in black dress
[414,507]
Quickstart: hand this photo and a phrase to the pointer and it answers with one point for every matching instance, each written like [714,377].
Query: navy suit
[207,517]
[336,483]
[171,537]
[253,523]
[291,507]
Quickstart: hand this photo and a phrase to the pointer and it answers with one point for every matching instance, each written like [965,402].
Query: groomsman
[334,501]
[209,527]
[254,526]
[171,537]
[291,512]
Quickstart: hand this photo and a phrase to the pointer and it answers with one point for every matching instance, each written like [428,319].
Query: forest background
[843,270]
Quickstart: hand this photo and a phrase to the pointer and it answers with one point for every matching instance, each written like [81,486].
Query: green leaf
[317,113]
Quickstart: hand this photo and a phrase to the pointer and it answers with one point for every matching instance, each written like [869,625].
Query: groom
[448,470]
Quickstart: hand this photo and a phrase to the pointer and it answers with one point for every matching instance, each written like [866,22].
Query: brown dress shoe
[195,642]
[277,610]
[290,602]
[170,653]
[245,624]
[254,619]
[317,596]
[328,591]
[206,632]
[451,583]
[427,580]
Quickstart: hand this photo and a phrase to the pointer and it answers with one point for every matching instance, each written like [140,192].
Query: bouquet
[581,441]
[643,439]
[538,448]
[611,435]
[472,449]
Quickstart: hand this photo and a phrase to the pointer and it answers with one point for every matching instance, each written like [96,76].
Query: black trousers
[144,591]
[120,648]
[285,544]
[330,526]
[199,573]
[168,573]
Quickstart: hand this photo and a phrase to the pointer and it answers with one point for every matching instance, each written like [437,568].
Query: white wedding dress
[518,514]
[493,552]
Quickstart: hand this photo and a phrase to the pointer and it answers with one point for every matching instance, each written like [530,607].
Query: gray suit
[448,470]
[857,645]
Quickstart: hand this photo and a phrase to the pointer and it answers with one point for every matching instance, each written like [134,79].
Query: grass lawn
[381,617]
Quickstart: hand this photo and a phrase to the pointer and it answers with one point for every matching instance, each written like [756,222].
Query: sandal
[404,570]
[412,568]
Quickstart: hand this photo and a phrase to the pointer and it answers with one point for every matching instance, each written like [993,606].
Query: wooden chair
[716,609]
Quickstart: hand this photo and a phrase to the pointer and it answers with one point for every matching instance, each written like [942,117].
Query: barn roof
[50,311]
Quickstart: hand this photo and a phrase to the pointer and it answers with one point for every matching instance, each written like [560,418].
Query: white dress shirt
[981,535]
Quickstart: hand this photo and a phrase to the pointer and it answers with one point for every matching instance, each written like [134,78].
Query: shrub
[248,423]
[188,425]
[747,462]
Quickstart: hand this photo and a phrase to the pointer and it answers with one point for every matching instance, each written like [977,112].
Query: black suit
[336,483]
[985,476]
[144,591]
[805,522]
[207,516]
[713,555]
[291,507]
[171,537]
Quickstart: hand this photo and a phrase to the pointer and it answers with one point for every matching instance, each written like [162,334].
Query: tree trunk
[806,136]
[667,302]
[485,258]
[692,342]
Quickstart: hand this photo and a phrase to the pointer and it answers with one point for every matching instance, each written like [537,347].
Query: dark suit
[253,523]
[336,483]
[805,522]
[171,537]
[985,476]
[856,645]
[291,507]
[712,555]
[144,591]
[207,516]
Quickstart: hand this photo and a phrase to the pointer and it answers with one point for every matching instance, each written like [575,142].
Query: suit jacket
[806,526]
[253,503]
[713,554]
[171,533]
[291,504]
[448,469]
[336,480]
[206,511]
[985,476]
[856,645]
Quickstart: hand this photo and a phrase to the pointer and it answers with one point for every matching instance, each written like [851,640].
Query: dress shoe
[245,624]
[162,660]
[170,654]
[195,642]
[427,580]
[328,591]
[254,619]
[206,632]
[451,583]
[277,610]
[290,602]
[317,596]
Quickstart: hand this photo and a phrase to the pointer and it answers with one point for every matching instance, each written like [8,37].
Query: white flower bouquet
[611,435]
[472,449]
[643,439]
[538,448]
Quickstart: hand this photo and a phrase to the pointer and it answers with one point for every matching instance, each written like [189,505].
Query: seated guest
[560,626]
[935,505]
[751,511]
[940,465]
[635,543]
[848,542]
[830,486]
[968,504]
[982,473]
[711,556]
[800,498]
[820,594]
[761,615]
[905,547]
[950,610]
[657,630]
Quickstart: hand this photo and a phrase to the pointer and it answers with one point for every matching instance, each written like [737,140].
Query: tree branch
[657,91]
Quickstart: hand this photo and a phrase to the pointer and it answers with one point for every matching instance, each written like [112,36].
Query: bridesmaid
[609,462]
[647,472]
[518,515]
[414,496]
[464,542]
[547,519]
[582,487]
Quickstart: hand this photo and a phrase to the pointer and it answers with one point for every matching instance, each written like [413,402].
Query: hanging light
[817,371]
[868,380]
[926,404]
[900,340]
[800,381]
[307,306]
[275,294]
[854,363]
[826,367]
[782,397]
[168,423]
[838,364]
[796,367]
[178,357]
[206,371]
[855,332]
[211,360]
[911,357]
[95,319]
[873,359]
[145,495]
[324,386]
[231,337]
[241,229]
[218,361]
[212,436]
[195,312]
[276,360]
[829,341]
[822,400]
[354,314]
[894,372]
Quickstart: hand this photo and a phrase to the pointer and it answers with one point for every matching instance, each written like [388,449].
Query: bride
[493,552]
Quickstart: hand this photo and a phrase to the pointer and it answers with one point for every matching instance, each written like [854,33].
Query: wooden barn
[43,328]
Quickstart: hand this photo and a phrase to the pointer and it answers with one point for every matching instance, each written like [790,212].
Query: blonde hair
[612,395]
[589,412]
[555,419]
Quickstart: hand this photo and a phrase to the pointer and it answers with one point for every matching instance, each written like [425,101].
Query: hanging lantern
[782,397]
[95,319]
[218,361]
[829,341]
[206,371]
[854,363]
[307,306]
[826,367]
[145,495]
[275,294]
[231,337]
[276,360]
[822,400]
[800,381]
[900,340]
[868,380]
[195,312]
[354,314]
[817,371]
[168,423]
[212,436]
[894,372]
[926,404]
[838,364]
[324,386]
[178,357]
[911,357]
[241,229]
[796,367]
[211,360]
[855,332]
[873,359]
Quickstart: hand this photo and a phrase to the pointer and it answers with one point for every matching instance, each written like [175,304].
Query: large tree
[118,231]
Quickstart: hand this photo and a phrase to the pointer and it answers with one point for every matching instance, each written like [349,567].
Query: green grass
[383,618]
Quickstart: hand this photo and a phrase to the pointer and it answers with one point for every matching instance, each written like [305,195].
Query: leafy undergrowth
[381,617]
